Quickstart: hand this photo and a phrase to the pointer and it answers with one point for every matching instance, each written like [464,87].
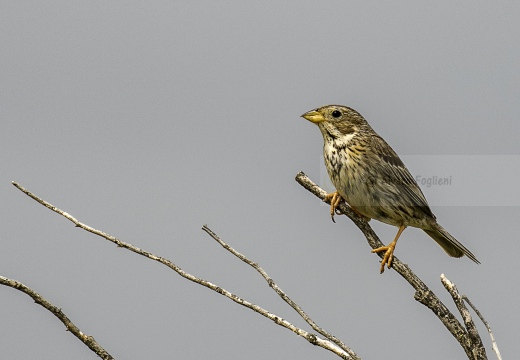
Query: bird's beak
[313,116]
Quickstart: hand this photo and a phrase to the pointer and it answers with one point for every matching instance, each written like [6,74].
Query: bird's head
[337,120]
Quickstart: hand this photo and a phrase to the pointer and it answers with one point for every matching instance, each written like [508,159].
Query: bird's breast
[343,160]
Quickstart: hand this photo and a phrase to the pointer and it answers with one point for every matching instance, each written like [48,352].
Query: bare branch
[40,300]
[468,338]
[313,339]
[474,337]
[495,346]
[422,293]
[281,293]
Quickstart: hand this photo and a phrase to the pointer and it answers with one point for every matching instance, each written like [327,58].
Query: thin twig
[40,300]
[313,339]
[494,343]
[422,293]
[477,346]
[281,293]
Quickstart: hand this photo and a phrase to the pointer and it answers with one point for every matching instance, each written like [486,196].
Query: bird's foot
[334,198]
[389,250]
[389,255]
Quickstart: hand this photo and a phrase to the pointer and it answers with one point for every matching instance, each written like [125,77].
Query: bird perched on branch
[372,179]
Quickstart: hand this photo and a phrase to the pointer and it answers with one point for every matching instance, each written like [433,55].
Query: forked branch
[467,337]
[330,342]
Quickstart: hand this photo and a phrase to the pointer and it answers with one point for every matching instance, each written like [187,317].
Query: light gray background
[148,120]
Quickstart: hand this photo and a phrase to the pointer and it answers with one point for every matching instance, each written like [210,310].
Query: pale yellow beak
[313,116]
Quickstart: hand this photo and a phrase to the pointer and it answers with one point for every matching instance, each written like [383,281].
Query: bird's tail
[449,243]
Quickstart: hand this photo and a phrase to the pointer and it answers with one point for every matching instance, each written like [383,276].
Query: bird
[369,175]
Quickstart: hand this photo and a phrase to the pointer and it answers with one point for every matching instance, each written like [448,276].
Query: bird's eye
[336,113]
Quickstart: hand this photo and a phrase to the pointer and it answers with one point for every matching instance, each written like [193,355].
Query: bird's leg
[389,250]
[335,198]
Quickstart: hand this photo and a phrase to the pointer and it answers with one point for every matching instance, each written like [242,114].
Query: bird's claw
[334,198]
[387,258]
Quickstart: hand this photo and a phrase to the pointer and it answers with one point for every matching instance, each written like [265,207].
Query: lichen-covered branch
[334,346]
[282,294]
[422,293]
[478,348]
[40,300]
[493,341]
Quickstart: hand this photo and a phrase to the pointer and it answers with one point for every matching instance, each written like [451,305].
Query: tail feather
[449,243]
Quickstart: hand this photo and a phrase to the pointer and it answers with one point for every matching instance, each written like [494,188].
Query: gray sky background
[149,119]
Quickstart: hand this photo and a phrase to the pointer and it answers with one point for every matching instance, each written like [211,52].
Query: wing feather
[395,174]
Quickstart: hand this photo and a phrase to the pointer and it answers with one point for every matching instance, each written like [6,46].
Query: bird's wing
[395,173]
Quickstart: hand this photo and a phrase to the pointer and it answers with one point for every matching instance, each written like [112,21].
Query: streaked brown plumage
[372,179]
